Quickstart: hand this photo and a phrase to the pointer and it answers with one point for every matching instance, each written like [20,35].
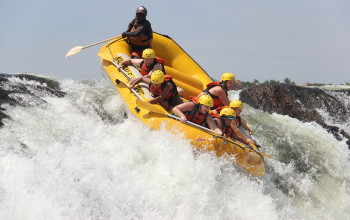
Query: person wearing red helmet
[139,32]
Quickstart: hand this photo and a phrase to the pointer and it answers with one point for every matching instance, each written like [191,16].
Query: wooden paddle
[154,109]
[77,49]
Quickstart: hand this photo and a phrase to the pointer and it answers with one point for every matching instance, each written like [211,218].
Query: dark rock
[302,103]
[10,93]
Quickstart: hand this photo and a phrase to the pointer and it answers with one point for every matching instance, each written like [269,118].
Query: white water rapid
[81,157]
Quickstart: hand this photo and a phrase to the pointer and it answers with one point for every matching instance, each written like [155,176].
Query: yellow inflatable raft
[188,75]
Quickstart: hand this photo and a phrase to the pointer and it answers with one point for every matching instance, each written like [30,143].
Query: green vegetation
[247,84]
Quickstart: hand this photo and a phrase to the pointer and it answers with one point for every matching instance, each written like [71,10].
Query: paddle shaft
[154,109]
[77,49]
[100,42]
[128,77]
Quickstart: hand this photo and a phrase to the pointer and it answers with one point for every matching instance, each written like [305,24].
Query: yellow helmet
[228,112]
[228,76]
[157,77]
[206,100]
[148,53]
[236,104]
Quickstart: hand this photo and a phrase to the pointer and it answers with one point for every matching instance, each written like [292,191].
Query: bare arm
[162,96]
[126,62]
[212,125]
[222,95]
[180,109]
[144,79]
[239,133]
[246,126]
[158,66]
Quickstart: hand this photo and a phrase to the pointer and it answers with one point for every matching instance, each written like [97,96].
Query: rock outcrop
[15,91]
[303,103]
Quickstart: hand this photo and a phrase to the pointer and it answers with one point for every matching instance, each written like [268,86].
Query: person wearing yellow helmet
[197,111]
[226,121]
[139,33]
[147,64]
[243,126]
[237,106]
[218,90]
[163,89]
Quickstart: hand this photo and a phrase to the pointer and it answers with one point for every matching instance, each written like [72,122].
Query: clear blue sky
[305,40]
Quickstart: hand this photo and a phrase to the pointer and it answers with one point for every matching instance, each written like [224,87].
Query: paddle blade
[150,107]
[74,50]
[106,56]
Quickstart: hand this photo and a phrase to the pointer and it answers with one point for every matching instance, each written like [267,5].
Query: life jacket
[216,99]
[156,92]
[238,118]
[141,40]
[145,69]
[195,116]
[226,129]
[218,109]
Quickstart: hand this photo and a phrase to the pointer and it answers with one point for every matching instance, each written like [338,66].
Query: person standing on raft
[139,33]
[218,90]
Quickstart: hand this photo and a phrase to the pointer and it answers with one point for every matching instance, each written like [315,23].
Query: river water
[82,156]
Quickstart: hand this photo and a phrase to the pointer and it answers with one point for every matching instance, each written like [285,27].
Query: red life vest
[238,118]
[195,116]
[226,129]
[145,69]
[216,99]
[140,40]
[238,121]
[156,92]
[218,109]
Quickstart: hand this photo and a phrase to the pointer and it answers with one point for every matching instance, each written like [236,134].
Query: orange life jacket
[156,92]
[238,118]
[140,40]
[218,109]
[226,129]
[145,69]
[238,121]
[195,116]
[216,99]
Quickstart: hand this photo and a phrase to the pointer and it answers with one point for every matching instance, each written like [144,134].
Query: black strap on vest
[214,96]
[193,112]
[152,65]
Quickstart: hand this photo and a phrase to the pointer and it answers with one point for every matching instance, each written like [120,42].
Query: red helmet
[141,10]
